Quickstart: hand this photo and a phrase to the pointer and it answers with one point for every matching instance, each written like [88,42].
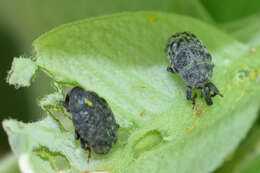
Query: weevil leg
[213,88]
[89,153]
[76,135]
[193,100]
[206,95]
[65,105]
[82,143]
[189,96]
[84,146]
[66,102]
[189,93]
[170,69]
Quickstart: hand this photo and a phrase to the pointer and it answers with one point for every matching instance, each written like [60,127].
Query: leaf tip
[9,125]
[22,72]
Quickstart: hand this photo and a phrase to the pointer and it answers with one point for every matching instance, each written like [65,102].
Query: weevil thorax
[189,58]
[75,100]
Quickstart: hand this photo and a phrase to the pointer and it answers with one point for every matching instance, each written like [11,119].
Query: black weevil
[93,119]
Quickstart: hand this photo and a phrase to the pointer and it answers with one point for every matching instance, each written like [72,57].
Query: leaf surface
[122,58]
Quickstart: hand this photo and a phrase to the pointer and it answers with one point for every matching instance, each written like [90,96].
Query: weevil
[189,58]
[93,119]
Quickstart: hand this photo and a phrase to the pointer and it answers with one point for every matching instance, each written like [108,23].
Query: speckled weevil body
[191,60]
[95,125]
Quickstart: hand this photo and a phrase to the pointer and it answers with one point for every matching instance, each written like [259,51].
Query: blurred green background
[23,21]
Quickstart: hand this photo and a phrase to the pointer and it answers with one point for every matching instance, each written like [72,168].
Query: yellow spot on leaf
[178,92]
[253,74]
[88,102]
[190,129]
[200,109]
[229,157]
[152,17]
[142,112]
[249,89]
[229,87]
[252,49]
[20,126]
[241,95]
[151,98]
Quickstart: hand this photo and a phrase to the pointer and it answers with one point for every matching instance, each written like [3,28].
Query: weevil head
[74,101]
[202,84]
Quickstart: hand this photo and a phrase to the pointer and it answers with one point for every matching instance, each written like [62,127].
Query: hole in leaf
[57,160]
[241,75]
[147,142]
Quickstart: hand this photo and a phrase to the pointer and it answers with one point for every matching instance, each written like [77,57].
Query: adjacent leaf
[227,11]
[10,97]
[122,58]
[193,8]
[8,164]
[42,16]
[246,157]
[247,30]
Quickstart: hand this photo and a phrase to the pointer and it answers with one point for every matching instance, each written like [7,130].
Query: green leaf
[22,72]
[122,58]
